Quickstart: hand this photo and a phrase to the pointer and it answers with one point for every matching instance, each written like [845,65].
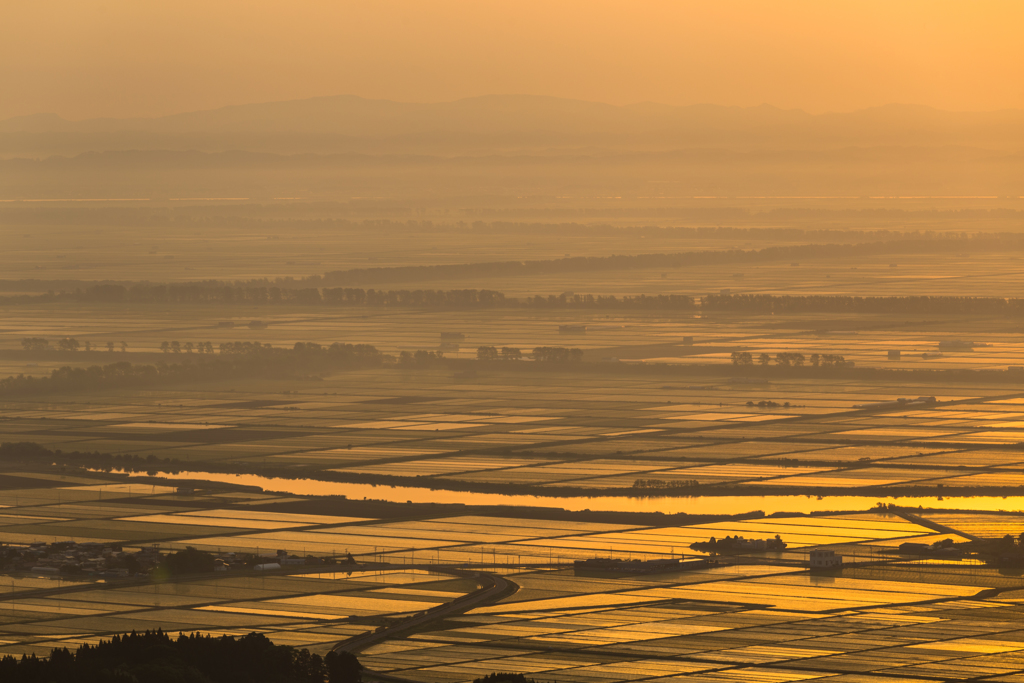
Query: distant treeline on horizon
[342,286]
[271,216]
[184,294]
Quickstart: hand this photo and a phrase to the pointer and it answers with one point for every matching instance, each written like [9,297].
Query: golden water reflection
[667,504]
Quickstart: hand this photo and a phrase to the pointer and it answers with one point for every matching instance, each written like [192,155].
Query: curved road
[483,596]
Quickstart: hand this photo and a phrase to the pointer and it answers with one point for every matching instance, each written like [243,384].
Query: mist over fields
[512,342]
[344,147]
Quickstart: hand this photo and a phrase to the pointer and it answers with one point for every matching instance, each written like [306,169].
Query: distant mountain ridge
[509,123]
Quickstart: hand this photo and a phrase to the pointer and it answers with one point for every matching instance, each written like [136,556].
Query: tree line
[789,359]
[245,359]
[197,294]
[665,483]
[67,344]
[274,219]
[155,657]
[935,243]
[543,354]
[31,453]
[769,303]
[237,359]
[187,294]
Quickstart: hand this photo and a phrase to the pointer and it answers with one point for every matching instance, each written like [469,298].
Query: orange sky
[89,58]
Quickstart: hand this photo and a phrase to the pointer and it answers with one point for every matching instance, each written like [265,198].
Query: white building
[823,559]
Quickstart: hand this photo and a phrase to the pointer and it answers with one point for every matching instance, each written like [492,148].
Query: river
[699,505]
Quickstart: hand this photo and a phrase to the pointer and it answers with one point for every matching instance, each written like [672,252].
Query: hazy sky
[88,58]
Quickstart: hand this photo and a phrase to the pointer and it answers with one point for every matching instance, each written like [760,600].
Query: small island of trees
[738,544]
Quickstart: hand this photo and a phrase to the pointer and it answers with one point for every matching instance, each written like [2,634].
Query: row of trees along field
[188,294]
[236,359]
[913,244]
[217,293]
[543,354]
[67,344]
[768,303]
[771,224]
[789,359]
[546,353]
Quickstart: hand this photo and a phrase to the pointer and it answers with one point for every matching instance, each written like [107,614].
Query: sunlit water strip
[705,505]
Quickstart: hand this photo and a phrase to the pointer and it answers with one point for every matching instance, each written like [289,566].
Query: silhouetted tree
[35,344]
[187,561]
[503,677]
[343,667]
[487,353]
[557,354]
[153,656]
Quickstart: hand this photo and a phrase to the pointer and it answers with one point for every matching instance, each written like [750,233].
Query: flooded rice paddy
[494,470]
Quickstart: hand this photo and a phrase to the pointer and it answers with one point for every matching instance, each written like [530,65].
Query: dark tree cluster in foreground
[155,657]
[503,677]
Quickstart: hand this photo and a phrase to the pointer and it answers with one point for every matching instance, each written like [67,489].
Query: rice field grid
[535,433]
[737,620]
[758,624]
[764,618]
[647,336]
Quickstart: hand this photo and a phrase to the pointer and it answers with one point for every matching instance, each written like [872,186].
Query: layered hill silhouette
[509,124]
[512,146]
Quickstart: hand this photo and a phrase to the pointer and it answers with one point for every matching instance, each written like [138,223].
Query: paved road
[91,583]
[496,586]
